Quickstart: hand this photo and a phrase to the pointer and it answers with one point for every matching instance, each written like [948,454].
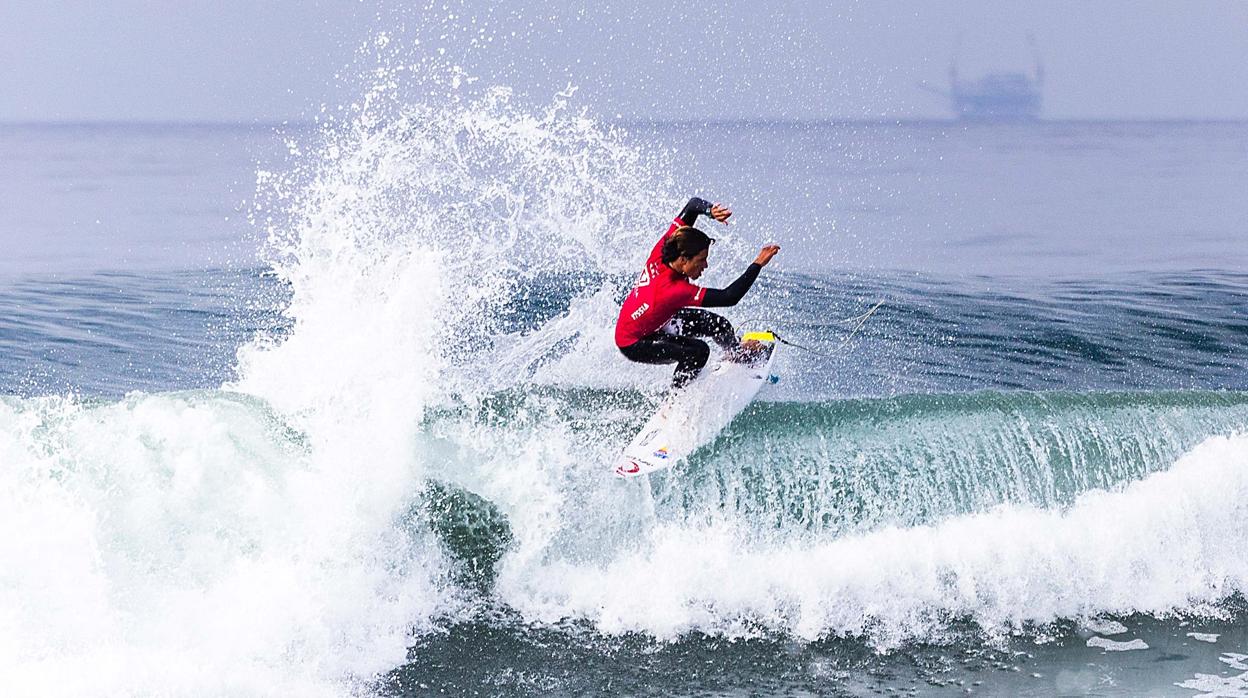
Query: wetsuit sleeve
[687,216]
[696,207]
[725,297]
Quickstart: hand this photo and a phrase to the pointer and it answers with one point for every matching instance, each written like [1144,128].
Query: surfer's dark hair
[687,241]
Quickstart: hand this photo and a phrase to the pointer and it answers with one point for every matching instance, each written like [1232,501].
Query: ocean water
[330,409]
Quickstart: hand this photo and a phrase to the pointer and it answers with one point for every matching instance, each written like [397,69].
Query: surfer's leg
[693,357]
[703,323]
[689,354]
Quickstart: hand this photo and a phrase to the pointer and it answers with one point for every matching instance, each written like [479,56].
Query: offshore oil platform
[996,96]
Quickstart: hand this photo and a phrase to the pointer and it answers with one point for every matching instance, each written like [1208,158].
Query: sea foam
[1161,545]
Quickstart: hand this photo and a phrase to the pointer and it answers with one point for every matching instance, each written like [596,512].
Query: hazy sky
[234,60]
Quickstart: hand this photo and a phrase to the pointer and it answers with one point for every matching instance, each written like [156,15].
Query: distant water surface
[354,463]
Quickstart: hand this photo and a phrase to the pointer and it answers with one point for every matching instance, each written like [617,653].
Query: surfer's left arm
[726,297]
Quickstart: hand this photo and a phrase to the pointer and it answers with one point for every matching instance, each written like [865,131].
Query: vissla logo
[641,311]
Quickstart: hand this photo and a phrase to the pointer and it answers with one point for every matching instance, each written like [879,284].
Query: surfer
[662,317]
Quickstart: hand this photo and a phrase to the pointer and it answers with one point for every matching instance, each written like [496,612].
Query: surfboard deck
[693,416]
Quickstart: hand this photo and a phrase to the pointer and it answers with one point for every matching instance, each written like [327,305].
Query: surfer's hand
[720,213]
[765,255]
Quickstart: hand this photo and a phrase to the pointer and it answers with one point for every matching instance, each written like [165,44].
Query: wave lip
[850,466]
[1166,544]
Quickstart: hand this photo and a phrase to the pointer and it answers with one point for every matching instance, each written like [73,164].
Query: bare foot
[748,351]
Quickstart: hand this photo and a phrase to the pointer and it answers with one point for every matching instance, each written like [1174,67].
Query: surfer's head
[686,251]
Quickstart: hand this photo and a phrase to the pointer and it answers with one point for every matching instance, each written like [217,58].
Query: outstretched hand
[765,255]
[720,213]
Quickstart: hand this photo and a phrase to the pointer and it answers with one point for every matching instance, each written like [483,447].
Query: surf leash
[862,320]
[798,346]
[859,321]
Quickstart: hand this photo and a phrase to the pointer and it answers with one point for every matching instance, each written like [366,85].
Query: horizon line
[643,121]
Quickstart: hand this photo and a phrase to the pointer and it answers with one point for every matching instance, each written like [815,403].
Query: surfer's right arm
[701,207]
[726,297]
[688,216]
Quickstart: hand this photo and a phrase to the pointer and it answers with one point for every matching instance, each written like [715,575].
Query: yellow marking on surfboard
[758,337]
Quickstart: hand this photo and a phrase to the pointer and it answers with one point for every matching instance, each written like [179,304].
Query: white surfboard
[695,415]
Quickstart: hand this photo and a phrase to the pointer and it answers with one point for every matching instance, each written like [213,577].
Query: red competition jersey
[659,293]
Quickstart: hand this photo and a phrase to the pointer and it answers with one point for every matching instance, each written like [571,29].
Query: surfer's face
[692,267]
